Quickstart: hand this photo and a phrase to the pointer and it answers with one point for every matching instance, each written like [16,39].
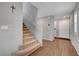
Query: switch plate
[4,27]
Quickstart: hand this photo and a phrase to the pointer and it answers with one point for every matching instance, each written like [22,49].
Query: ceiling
[54,8]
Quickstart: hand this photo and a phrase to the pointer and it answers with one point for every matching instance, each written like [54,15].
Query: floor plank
[58,47]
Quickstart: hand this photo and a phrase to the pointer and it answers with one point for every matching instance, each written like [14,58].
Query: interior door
[63,30]
[48,28]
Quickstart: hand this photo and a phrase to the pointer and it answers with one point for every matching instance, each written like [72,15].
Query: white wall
[11,38]
[39,30]
[75,41]
[71,27]
[29,12]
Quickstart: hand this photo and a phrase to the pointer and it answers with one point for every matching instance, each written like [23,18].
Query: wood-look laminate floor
[58,47]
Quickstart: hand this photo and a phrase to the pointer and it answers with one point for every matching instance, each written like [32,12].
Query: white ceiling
[54,8]
[38,4]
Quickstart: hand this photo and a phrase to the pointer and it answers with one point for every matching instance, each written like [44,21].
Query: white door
[48,28]
[63,30]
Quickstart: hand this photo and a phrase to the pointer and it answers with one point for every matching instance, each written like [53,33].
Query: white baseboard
[49,39]
[74,43]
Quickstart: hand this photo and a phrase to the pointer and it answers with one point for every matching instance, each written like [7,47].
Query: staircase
[30,44]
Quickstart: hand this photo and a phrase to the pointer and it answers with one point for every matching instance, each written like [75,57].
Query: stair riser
[25,29]
[27,40]
[26,32]
[30,44]
[29,35]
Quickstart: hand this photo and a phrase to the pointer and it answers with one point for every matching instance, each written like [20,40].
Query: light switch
[4,27]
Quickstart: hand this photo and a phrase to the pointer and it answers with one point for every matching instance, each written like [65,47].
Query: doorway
[61,28]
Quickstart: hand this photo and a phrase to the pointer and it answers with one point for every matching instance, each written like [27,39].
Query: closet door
[48,26]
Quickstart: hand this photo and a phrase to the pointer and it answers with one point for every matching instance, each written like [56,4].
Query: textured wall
[11,38]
